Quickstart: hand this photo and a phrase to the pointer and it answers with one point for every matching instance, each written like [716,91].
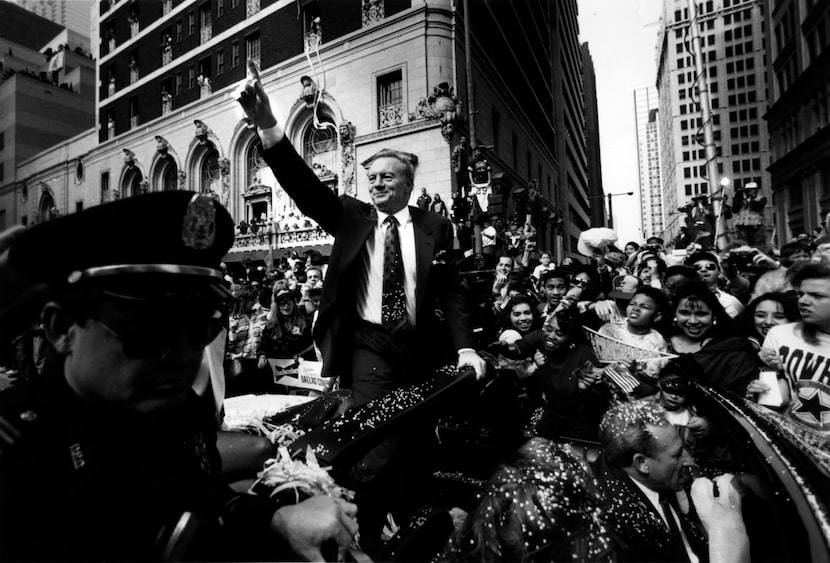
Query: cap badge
[199,224]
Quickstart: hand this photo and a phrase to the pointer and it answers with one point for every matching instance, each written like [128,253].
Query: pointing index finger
[253,70]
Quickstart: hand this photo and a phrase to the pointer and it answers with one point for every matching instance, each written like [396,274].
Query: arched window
[132,182]
[257,173]
[320,146]
[211,174]
[47,209]
[167,178]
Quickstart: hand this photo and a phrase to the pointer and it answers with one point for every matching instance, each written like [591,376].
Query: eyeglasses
[150,338]
[579,282]
[707,267]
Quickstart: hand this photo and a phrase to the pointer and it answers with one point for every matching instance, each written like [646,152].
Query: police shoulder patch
[199,223]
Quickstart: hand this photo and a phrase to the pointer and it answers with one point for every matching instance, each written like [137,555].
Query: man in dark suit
[642,473]
[376,327]
[354,343]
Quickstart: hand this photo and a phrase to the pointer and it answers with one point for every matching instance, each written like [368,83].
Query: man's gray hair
[624,431]
[409,161]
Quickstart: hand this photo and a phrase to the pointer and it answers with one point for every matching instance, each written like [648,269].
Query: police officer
[110,454]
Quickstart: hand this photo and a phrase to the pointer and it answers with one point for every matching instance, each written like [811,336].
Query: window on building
[134,111]
[2,140]
[320,145]
[220,8]
[179,31]
[220,62]
[191,77]
[390,99]
[105,187]
[252,47]
[204,16]
[178,87]
[191,23]
[235,54]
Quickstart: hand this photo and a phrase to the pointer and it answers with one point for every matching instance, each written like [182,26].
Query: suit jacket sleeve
[452,295]
[303,186]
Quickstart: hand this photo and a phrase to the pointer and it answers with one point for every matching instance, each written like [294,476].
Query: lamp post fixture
[611,208]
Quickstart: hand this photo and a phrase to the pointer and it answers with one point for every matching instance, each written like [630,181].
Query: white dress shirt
[370,293]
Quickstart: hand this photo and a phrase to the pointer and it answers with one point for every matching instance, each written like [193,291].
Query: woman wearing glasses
[703,330]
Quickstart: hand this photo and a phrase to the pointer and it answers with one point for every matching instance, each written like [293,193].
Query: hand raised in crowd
[718,505]
[765,261]
[607,311]
[539,358]
[314,523]
[255,102]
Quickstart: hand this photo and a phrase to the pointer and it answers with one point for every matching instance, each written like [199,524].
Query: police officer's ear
[57,323]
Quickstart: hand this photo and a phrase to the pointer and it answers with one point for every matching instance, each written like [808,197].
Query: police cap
[153,246]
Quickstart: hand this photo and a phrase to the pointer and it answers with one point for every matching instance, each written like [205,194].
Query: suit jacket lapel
[424,243]
[357,235]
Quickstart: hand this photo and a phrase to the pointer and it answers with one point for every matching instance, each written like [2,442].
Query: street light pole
[611,207]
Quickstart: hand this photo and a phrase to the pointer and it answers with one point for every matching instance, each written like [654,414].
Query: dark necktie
[677,546]
[393,302]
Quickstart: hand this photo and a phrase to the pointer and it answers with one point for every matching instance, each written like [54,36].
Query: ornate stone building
[347,78]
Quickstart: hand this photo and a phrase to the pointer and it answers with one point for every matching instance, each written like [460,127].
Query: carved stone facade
[347,160]
[372,12]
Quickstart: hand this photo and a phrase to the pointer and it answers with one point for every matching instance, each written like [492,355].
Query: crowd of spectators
[698,315]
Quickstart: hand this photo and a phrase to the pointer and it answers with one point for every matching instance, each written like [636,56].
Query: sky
[622,36]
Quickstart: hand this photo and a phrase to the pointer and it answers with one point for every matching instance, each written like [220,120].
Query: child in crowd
[643,312]
[674,391]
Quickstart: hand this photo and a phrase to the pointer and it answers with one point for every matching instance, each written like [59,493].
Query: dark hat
[655,240]
[283,292]
[151,246]
[698,256]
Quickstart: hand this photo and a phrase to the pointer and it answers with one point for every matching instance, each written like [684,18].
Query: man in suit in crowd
[642,475]
[376,326]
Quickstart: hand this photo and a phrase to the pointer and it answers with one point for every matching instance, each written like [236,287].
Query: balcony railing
[303,237]
[390,115]
[251,8]
[267,239]
[206,33]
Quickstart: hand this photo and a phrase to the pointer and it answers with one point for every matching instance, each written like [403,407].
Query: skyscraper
[71,14]
[648,161]
[732,35]
[799,114]
[594,161]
